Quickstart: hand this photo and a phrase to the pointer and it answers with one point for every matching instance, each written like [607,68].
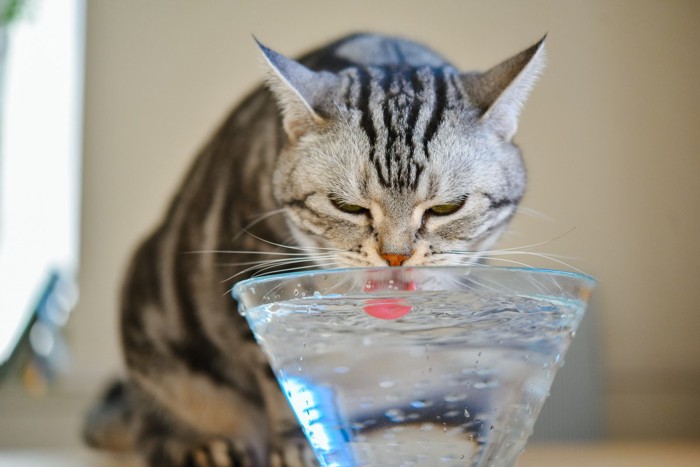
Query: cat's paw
[220,453]
[294,453]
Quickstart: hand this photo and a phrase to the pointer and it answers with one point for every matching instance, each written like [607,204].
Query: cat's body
[383,154]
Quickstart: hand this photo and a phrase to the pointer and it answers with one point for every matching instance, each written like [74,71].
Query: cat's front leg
[292,450]
[180,452]
[220,453]
[128,418]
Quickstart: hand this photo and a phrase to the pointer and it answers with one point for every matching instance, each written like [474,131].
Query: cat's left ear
[500,92]
[302,94]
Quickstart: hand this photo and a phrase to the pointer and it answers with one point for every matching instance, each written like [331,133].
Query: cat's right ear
[302,94]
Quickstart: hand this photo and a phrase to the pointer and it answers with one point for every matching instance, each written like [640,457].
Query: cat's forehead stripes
[400,111]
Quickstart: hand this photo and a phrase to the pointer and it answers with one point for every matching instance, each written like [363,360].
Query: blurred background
[610,135]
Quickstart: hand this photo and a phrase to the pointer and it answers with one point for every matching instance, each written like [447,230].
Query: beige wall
[611,136]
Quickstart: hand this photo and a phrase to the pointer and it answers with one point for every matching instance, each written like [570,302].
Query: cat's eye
[349,208]
[446,209]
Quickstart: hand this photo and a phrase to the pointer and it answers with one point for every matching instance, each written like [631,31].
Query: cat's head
[400,165]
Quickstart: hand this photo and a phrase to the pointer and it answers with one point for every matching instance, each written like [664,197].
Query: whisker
[319,266]
[534,213]
[247,252]
[552,258]
[266,265]
[496,255]
[261,265]
[531,253]
[281,260]
[511,261]
[534,245]
[303,248]
[256,221]
[522,250]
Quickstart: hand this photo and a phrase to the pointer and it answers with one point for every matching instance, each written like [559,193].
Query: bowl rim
[588,280]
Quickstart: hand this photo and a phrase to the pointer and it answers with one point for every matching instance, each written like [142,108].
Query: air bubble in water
[486,385]
[395,415]
[421,404]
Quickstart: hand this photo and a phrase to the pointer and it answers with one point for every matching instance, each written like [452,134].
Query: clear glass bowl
[416,366]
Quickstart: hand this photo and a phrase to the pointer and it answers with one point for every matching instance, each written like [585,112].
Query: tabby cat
[370,151]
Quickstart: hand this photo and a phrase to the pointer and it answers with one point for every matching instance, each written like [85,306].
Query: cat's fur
[382,125]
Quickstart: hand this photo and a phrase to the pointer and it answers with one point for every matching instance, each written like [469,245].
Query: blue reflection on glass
[320,419]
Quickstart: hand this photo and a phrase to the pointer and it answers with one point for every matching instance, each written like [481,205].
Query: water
[457,380]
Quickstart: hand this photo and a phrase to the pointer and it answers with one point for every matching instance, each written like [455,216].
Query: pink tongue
[387,308]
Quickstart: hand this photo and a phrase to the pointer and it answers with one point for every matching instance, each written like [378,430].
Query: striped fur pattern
[349,155]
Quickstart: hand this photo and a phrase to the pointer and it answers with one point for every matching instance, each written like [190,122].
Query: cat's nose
[393,259]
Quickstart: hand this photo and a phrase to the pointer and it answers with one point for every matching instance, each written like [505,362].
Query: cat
[369,151]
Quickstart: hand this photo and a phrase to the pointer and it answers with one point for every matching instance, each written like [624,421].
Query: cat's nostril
[393,259]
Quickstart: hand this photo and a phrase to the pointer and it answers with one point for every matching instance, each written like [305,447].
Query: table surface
[609,454]
[617,454]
